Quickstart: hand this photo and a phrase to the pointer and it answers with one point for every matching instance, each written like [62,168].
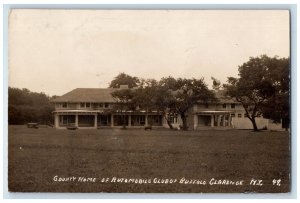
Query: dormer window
[224,106]
[106,105]
[88,105]
[64,105]
[82,105]
[233,106]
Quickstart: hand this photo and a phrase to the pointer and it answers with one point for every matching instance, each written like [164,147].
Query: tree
[277,107]
[164,101]
[123,98]
[124,79]
[186,93]
[151,96]
[26,106]
[169,96]
[257,88]
[144,95]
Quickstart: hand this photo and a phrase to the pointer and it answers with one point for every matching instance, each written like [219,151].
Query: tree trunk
[184,121]
[123,121]
[168,122]
[285,123]
[254,124]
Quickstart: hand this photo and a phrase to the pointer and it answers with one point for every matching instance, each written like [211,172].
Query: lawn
[50,160]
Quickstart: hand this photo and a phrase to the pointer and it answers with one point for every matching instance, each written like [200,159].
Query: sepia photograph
[149,101]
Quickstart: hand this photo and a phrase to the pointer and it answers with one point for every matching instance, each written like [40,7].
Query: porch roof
[101,111]
[213,112]
[77,111]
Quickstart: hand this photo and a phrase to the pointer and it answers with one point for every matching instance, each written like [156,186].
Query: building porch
[96,119]
[212,119]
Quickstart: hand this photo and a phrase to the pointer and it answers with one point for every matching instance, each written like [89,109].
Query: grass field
[36,156]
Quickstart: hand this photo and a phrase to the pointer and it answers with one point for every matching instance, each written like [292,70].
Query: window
[224,106]
[245,115]
[206,105]
[88,105]
[95,105]
[82,105]
[239,115]
[64,105]
[105,105]
[101,105]
[233,115]
[232,106]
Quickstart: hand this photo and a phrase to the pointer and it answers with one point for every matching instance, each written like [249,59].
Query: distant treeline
[25,106]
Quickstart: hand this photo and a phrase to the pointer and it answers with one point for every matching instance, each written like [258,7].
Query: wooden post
[212,121]
[195,121]
[76,120]
[96,121]
[112,120]
[146,120]
[56,120]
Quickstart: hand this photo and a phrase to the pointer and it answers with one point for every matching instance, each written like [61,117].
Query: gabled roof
[222,98]
[87,95]
[95,95]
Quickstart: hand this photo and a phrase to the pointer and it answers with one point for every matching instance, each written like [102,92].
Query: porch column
[96,121]
[212,120]
[56,120]
[146,120]
[76,120]
[224,120]
[112,120]
[195,122]
[229,120]
[129,120]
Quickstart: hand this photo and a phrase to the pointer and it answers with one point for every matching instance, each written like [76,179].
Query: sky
[56,51]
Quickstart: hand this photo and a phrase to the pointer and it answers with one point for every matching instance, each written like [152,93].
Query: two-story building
[217,114]
[93,108]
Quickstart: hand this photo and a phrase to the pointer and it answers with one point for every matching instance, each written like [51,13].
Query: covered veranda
[212,119]
[94,119]
[78,118]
